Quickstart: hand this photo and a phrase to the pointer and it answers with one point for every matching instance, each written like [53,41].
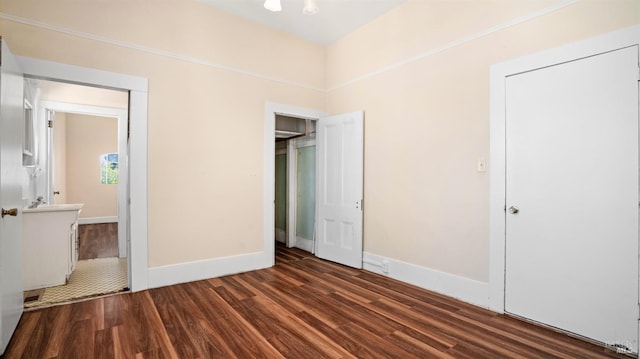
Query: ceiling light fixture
[273,5]
[310,7]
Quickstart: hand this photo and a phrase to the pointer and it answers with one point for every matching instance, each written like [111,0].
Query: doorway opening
[337,234]
[295,181]
[84,160]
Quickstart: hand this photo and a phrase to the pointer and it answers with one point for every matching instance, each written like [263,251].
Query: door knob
[514,209]
[11,212]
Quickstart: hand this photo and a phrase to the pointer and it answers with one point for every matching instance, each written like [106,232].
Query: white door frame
[270,111]
[292,193]
[122,116]
[497,201]
[292,203]
[138,90]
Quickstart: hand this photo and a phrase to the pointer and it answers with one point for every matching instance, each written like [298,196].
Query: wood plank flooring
[303,307]
[98,240]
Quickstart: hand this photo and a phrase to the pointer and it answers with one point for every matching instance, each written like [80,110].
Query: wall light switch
[482,165]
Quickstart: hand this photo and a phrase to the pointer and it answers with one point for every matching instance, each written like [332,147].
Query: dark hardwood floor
[303,307]
[98,240]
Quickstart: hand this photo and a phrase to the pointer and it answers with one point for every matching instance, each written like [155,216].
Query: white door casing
[271,109]
[11,127]
[340,171]
[137,150]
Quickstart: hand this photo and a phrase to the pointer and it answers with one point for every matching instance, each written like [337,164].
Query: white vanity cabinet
[50,244]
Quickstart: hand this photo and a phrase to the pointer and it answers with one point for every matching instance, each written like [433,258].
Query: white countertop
[54,208]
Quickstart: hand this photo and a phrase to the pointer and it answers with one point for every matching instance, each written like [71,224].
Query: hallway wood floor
[98,240]
[303,307]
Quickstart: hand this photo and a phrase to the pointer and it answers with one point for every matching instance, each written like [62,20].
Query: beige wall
[205,123]
[427,121]
[87,138]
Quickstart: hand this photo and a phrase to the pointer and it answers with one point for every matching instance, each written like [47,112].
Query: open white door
[340,170]
[11,125]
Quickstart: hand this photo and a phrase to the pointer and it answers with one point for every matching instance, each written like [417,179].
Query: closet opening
[295,181]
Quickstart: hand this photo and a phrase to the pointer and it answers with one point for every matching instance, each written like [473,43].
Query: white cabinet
[50,244]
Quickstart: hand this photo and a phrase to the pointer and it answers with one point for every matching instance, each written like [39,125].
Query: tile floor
[91,278]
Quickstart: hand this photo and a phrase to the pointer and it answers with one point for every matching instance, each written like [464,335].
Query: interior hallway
[303,307]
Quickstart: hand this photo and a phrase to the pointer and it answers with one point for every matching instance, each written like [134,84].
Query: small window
[109,168]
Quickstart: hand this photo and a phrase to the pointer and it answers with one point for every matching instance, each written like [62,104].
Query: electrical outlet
[385,266]
[482,165]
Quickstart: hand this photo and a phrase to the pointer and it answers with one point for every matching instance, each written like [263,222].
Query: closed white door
[340,150]
[11,126]
[572,197]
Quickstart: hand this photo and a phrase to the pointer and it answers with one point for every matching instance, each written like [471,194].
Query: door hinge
[50,123]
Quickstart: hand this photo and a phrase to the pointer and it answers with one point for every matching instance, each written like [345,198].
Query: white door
[572,196]
[339,146]
[11,125]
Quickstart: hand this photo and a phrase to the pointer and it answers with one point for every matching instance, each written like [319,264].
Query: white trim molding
[208,268]
[497,183]
[98,220]
[281,235]
[304,244]
[292,201]
[81,75]
[461,288]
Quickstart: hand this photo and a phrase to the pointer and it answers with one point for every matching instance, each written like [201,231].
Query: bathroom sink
[54,208]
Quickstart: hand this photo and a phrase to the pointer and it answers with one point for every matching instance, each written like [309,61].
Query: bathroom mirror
[28,143]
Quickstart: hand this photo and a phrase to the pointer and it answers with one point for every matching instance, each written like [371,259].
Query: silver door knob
[514,209]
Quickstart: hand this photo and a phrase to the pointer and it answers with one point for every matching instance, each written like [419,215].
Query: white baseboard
[304,244]
[464,289]
[208,268]
[281,235]
[97,220]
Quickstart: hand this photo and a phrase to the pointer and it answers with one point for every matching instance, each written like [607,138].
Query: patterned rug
[91,278]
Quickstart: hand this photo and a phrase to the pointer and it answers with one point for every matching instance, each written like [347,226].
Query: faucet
[40,200]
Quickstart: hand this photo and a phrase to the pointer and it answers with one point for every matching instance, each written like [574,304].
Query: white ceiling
[336,18]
